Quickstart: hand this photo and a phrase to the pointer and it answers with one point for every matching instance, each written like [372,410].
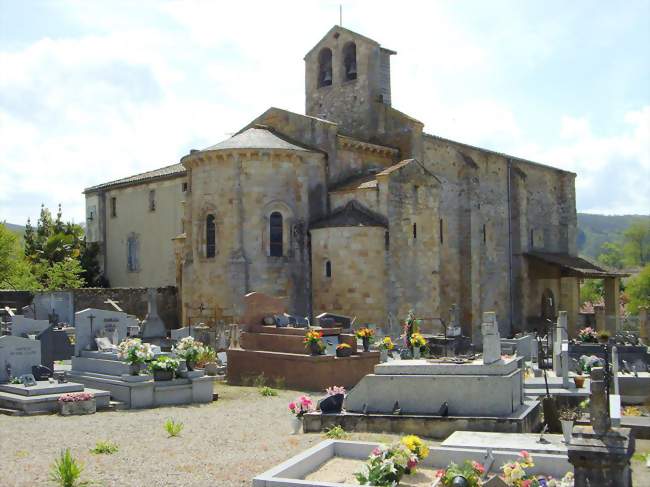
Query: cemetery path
[222,444]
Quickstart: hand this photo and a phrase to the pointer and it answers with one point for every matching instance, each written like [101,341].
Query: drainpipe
[509,195]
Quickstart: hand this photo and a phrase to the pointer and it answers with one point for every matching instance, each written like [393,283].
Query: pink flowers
[76,397]
[478,467]
[334,390]
[300,406]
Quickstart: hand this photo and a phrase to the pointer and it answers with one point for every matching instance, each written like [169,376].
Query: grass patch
[173,428]
[267,391]
[105,447]
[640,457]
[336,433]
[66,471]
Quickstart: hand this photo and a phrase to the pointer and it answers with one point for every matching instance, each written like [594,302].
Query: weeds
[336,433]
[259,381]
[279,382]
[173,428]
[266,391]
[106,447]
[65,471]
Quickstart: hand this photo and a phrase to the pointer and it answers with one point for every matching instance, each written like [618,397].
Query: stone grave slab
[331,320]
[507,442]
[18,355]
[91,323]
[41,387]
[259,305]
[22,326]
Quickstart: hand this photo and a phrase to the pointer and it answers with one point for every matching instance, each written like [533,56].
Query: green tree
[592,291]
[638,290]
[65,274]
[611,255]
[636,244]
[15,272]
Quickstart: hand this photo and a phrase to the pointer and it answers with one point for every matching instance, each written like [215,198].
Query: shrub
[268,392]
[106,447]
[173,428]
[66,470]
[336,433]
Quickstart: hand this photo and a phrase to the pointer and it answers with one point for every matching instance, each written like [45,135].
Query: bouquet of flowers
[472,471]
[189,349]
[387,464]
[76,397]
[514,473]
[207,355]
[587,363]
[386,344]
[300,406]
[165,362]
[417,340]
[334,390]
[365,333]
[588,335]
[314,339]
[342,346]
[134,352]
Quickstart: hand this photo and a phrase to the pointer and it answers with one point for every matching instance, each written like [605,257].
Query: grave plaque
[18,356]
[22,326]
[92,323]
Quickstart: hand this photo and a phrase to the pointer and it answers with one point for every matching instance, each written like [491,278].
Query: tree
[15,272]
[636,244]
[611,255]
[592,291]
[638,290]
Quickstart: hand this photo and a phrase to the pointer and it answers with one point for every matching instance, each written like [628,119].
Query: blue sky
[92,91]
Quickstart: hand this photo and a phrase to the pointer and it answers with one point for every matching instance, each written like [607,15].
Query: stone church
[351,208]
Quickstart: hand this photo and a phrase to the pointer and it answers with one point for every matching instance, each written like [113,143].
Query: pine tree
[58,223]
[30,244]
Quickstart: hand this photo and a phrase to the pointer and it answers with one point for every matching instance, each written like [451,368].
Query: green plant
[268,391]
[164,362]
[15,380]
[107,447]
[259,381]
[471,471]
[336,433]
[66,470]
[173,428]
[208,355]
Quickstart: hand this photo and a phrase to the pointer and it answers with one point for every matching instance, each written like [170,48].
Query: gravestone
[55,304]
[599,404]
[91,323]
[257,306]
[559,336]
[491,338]
[18,356]
[21,326]
[153,326]
[55,345]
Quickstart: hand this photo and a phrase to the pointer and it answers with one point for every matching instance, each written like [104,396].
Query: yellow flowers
[417,340]
[365,333]
[313,337]
[416,446]
[386,344]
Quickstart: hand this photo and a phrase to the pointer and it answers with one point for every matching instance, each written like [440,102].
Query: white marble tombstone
[91,323]
[18,355]
[22,326]
[491,338]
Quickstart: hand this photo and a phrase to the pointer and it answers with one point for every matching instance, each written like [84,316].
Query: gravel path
[225,443]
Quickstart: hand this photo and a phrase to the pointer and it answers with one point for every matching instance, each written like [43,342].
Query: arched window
[328,268]
[350,61]
[210,237]
[275,234]
[325,67]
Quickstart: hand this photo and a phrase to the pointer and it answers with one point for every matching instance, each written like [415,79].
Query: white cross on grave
[114,304]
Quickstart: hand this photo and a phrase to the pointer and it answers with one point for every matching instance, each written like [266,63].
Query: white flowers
[189,349]
[133,351]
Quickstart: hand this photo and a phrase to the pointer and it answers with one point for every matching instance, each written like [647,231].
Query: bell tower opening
[325,67]
[350,61]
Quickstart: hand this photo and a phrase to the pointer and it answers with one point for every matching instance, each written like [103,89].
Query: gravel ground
[223,444]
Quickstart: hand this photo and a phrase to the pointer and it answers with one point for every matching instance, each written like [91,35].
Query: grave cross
[114,304]
[92,333]
[10,311]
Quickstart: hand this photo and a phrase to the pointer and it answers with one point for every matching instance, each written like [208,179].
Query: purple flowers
[76,397]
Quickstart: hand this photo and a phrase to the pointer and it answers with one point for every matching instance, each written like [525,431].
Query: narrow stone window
[325,67]
[184,187]
[152,200]
[387,240]
[210,237]
[113,207]
[275,234]
[484,234]
[442,238]
[132,250]
[532,238]
[328,269]
[415,231]
[350,61]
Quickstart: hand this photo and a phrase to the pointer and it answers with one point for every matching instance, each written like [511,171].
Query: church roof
[258,137]
[175,170]
[571,265]
[353,214]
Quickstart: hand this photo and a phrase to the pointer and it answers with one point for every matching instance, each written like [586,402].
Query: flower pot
[383,355]
[211,368]
[416,352]
[579,381]
[296,424]
[331,404]
[343,352]
[366,344]
[134,369]
[567,429]
[161,375]
[74,408]
[190,364]
[315,349]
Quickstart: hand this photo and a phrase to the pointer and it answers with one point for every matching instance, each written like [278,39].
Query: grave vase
[567,430]
[416,352]
[579,381]
[296,424]
[383,355]
[315,348]
[366,344]
[190,364]
[162,375]
[211,368]
[134,369]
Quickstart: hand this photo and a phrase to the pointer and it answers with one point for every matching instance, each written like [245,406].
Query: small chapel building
[350,208]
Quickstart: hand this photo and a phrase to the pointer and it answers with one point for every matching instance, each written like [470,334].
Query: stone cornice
[354,144]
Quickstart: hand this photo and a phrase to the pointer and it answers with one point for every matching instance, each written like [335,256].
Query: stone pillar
[612,287]
[644,325]
[234,336]
[491,338]
[559,336]
[570,301]
[599,454]
[599,313]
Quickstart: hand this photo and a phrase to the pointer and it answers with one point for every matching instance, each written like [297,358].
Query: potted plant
[587,335]
[366,334]
[417,342]
[76,403]
[189,350]
[164,367]
[579,379]
[343,350]
[314,342]
[333,402]
[470,471]
[387,464]
[298,408]
[385,346]
[208,360]
[603,337]
[568,416]
[135,353]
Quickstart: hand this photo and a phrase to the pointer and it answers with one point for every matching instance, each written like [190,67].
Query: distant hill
[595,230]
[17,229]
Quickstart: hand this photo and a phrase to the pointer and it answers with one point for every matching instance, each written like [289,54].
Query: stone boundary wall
[15,299]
